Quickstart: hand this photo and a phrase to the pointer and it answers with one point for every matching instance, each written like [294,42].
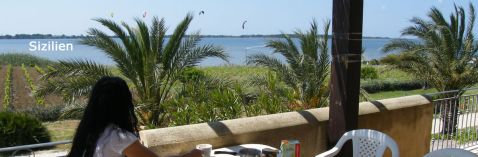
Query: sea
[237,48]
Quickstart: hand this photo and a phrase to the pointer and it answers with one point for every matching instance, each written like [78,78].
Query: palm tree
[307,66]
[150,65]
[443,54]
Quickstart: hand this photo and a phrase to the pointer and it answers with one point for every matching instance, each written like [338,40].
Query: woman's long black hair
[110,103]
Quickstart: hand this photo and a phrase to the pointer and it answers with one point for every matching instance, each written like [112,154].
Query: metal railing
[31,147]
[455,121]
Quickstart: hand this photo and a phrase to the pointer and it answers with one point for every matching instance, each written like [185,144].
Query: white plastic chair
[451,152]
[365,142]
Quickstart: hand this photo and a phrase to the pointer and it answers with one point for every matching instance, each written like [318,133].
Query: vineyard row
[7,87]
[39,100]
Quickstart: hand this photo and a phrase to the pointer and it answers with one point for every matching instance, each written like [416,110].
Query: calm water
[237,48]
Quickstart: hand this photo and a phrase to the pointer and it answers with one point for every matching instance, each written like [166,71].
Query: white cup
[206,149]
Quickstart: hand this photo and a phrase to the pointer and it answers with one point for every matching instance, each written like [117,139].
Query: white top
[113,141]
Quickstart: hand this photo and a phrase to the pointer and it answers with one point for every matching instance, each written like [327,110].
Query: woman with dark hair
[109,125]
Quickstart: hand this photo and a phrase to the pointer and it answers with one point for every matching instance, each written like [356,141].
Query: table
[237,148]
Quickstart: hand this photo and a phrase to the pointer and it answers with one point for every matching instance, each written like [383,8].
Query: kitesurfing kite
[244,24]
[144,14]
[201,12]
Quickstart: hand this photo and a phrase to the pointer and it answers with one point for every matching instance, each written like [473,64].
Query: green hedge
[374,86]
[368,72]
[43,113]
[21,129]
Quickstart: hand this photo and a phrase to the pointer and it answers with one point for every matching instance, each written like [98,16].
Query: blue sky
[225,17]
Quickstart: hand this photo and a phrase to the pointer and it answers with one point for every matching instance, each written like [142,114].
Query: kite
[201,12]
[144,14]
[244,24]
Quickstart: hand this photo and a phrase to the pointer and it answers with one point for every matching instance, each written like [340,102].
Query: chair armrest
[330,153]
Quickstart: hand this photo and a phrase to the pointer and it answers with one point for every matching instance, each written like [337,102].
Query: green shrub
[273,97]
[21,129]
[368,72]
[374,62]
[43,113]
[191,74]
[375,86]
[205,100]
[390,59]
[268,103]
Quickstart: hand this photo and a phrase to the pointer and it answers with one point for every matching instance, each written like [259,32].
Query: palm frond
[158,31]
[197,54]
[444,54]
[174,42]
[72,78]
[287,49]
[77,67]
[274,64]
[141,57]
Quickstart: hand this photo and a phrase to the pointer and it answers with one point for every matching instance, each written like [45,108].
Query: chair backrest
[369,143]
[451,152]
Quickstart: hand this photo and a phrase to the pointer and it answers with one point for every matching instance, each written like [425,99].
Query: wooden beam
[345,73]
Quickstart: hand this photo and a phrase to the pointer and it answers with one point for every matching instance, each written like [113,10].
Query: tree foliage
[444,56]
[306,68]
[143,56]
[444,53]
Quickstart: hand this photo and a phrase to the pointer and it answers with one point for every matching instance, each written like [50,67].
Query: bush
[191,74]
[374,62]
[391,85]
[43,113]
[368,73]
[21,129]
[390,59]
[206,100]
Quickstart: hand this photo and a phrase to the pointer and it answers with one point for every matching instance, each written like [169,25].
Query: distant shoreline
[50,36]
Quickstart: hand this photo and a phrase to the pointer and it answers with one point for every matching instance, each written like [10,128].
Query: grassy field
[393,94]
[243,73]
[62,130]
[386,73]
[400,93]
[236,73]
[17,59]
